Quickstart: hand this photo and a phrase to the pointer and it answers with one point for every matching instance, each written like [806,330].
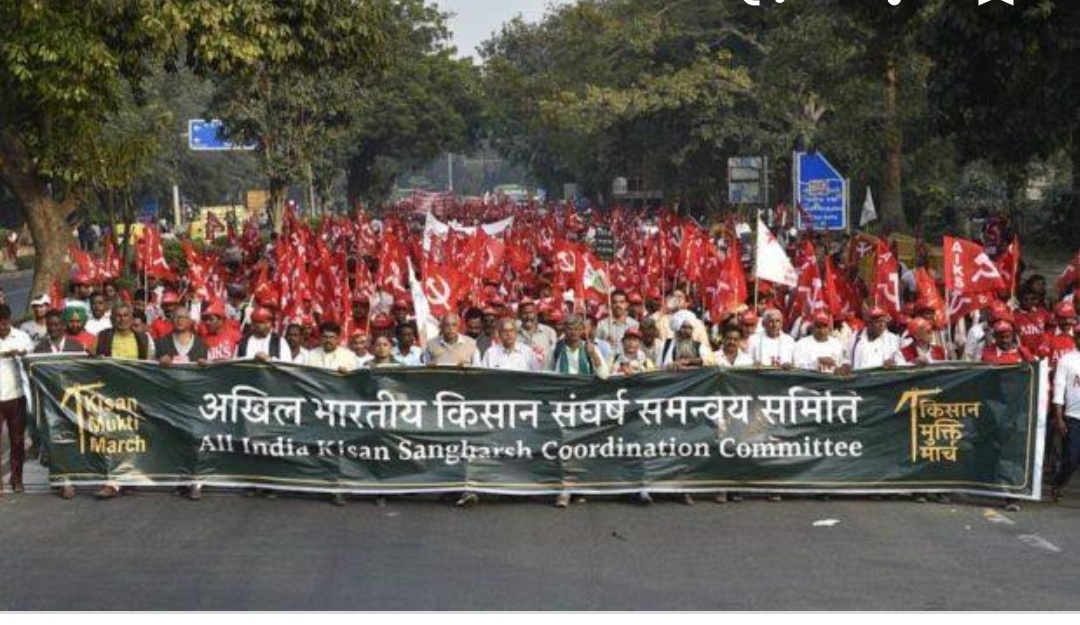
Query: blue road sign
[821,191]
[206,136]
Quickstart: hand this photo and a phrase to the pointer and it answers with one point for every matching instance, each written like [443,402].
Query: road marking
[1039,542]
[996,517]
[826,523]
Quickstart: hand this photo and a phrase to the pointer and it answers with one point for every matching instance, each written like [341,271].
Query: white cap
[42,300]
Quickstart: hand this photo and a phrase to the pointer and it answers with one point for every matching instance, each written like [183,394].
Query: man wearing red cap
[162,326]
[874,346]
[221,339]
[1031,321]
[1062,340]
[820,351]
[261,343]
[920,351]
[1005,350]
[981,334]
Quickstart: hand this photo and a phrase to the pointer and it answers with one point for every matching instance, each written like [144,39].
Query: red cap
[632,332]
[749,318]
[999,311]
[1003,325]
[526,302]
[360,298]
[822,318]
[307,319]
[381,321]
[918,324]
[1065,311]
[401,305]
[262,314]
[215,310]
[170,297]
[876,312]
[556,316]
[635,298]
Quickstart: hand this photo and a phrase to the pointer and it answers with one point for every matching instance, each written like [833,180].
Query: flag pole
[757,280]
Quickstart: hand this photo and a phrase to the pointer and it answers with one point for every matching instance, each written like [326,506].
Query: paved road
[156,551]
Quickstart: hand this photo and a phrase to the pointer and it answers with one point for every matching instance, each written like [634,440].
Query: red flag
[833,300]
[929,297]
[443,286]
[198,271]
[731,287]
[808,295]
[592,283]
[887,279]
[150,255]
[1067,281]
[393,267]
[968,269]
[112,260]
[1009,265]
[961,304]
[87,266]
[56,296]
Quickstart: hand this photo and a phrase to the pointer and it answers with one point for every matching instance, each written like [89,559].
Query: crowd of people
[534,326]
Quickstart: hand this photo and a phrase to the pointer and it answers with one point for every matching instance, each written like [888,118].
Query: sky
[476,20]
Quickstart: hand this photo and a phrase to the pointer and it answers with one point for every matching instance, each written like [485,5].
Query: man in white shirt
[874,346]
[99,315]
[37,328]
[510,354]
[14,344]
[1067,417]
[772,348]
[820,351]
[261,344]
[330,354]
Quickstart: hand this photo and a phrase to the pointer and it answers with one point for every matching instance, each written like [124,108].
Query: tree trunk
[46,219]
[892,208]
[278,190]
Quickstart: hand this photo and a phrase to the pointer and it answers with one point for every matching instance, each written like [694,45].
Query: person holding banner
[14,343]
[631,358]
[921,351]
[450,348]
[772,348]
[820,351]
[1066,416]
[261,343]
[1006,350]
[874,346]
[506,352]
[330,355]
[574,355]
[182,346]
[683,350]
[731,353]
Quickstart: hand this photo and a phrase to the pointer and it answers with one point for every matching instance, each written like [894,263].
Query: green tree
[65,68]
[426,103]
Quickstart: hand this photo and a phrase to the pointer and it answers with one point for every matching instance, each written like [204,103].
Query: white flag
[869,213]
[772,262]
[427,325]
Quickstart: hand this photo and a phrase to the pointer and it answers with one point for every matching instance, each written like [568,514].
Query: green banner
[956,428]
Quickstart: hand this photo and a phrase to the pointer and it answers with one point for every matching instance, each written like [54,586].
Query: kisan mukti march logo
[107,425]
[936,428]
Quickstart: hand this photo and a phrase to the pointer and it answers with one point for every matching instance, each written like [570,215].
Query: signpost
[604,244]
[748,180]
[821,192]
[206,136]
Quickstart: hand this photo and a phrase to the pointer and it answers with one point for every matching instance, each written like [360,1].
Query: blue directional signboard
[821,191]
[207,136]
